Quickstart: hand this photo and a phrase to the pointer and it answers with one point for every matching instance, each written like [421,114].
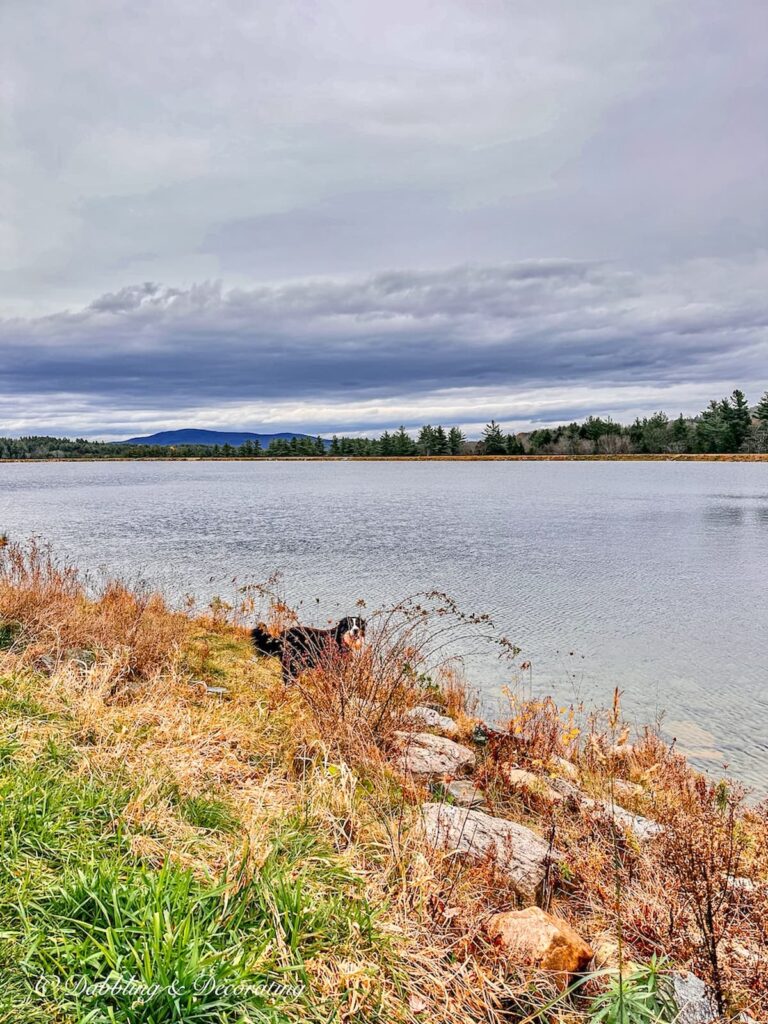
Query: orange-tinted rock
[534,937]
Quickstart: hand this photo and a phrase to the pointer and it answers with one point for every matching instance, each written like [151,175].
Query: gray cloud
[400,340]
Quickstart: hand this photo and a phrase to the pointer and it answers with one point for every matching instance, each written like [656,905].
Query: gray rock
[517,852]
[431,719]
[465,793]
[627,790]
[524,781]
[694,1000]
[567,769]
[568,790]
[83,657]
[429,756]
[642,828]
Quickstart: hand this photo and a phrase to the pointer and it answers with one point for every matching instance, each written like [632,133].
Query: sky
[345,216]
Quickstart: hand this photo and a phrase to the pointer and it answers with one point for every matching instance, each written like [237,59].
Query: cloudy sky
[344,216]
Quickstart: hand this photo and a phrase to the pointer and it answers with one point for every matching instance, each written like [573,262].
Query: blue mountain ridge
[190,435]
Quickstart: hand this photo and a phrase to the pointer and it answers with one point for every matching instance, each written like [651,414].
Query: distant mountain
[193,436]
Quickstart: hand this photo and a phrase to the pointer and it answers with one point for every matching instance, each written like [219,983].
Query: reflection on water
[649,576]
[727,515]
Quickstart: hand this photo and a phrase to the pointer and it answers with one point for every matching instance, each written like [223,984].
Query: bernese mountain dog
[302,647]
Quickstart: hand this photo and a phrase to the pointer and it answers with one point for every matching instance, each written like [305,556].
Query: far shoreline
[681,457]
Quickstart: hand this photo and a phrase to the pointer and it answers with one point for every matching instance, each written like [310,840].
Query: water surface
[648,576]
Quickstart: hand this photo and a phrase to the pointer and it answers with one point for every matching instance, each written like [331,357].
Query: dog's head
[350,632]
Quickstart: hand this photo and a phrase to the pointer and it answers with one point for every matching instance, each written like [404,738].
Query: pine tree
[680,435]
[334,449]
[441,446]
[385,444]
[514,445]
[455,441]
[494,442]
[426,440]
[402,443]
[712,429]
[319,446]
[762,408]
[739,420]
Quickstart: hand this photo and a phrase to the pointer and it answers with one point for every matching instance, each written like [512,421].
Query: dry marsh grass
[48,613]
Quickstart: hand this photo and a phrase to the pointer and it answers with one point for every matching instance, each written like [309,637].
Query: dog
[303,647]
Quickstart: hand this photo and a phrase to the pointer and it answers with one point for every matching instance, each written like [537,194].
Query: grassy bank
[182,838]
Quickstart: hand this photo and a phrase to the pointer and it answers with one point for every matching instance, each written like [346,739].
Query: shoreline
[688,457]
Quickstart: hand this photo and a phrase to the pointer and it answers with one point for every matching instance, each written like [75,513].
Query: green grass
[17,702]
[10,632]
[91,935]
[209,813]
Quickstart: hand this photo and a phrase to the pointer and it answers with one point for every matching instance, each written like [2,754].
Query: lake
[648,576]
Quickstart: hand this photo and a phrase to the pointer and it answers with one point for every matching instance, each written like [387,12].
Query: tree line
[729,425]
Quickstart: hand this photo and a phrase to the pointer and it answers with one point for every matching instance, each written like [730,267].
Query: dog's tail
[265,642]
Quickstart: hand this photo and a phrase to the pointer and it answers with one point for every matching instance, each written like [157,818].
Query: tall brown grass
[50,616]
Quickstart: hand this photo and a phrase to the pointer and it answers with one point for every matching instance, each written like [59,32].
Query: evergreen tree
[514,445]
[440,446]
[426,441]
[541,440]
[712,429]
[680,435]
[762,408]
[334,449]
[402,443]
[319,446]
[456,440]
[494,442]
[654,433]
[736,422]
[385,444]
[740,419]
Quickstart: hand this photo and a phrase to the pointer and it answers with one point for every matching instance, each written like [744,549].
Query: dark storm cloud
[521,327]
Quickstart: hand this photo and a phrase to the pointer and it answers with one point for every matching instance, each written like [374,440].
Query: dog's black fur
[301,647]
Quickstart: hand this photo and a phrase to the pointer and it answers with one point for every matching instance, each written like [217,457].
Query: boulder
[694,1000]
[541,940]
[642,828]
[465,793]
[517,853]
[520,780]
[431,719]
[429,756]
[569,791]
[627,790]
[566,768]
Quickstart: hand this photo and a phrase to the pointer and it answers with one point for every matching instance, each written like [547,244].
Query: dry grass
[213,780]
[48,614]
